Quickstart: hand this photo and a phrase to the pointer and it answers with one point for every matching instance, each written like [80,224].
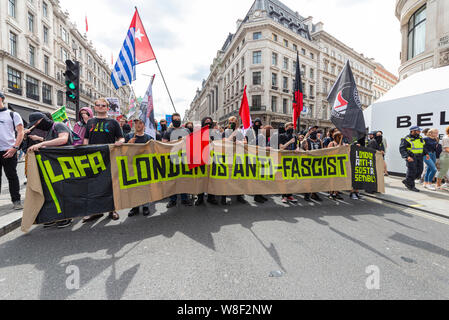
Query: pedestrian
[11,137]
[444,164]
[174,133]
[412,150]
[85,115]
[138,137]
[254,137]
[289,142]
[102,130]
[213,132]
[234,134]
[431,142]
[57,135]
[337,141]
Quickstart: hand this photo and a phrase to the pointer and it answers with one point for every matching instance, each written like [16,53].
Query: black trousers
[414,170]
[10,168]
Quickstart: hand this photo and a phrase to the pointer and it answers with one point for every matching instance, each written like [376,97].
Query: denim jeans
[431,168]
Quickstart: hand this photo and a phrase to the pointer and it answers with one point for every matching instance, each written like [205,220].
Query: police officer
[412,150]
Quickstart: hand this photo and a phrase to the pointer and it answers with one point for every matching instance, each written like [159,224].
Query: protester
[189,126]
[138,137]
[431,143]
[313,143]
[337,141]
[213,132]
[164,128]
[412,150]
[329,138]
[377,143]
[254,137]
[57,135]
[80,127]
[444,163]
[103,130]
[11,137]
[234,134]
[288,142]
[174,134]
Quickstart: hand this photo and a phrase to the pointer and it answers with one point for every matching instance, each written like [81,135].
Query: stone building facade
[425,35]
[383,81]
[262,55]
[36,38]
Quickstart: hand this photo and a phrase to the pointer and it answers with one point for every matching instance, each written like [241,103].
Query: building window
[312,56]
[12,8]
[45,9]
[274,101]
[303,51]
[285,83]
[285,63]
[274,79]
[32,88]
[64,35]
[257,35]
[13,44]
[14,81]
[243,63]
[285,106]
[311,91]
[32,56]
[46,93]
[275,37]
[45,35]
[286,43]
[46,65]
[295,47]
[274,59]
[417,33]
[60,98]
[257,101]
[312,73]
[257,57]
[257,78]
[30,22]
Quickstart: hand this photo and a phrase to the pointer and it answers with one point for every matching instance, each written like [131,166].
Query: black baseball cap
[35,117]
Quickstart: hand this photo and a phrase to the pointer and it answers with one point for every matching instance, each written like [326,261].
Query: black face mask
[176,123]
[313,136]
[281,130]
[190,129]
[45,124]
[290,131]
[164,127]
[233,126]
[379,139]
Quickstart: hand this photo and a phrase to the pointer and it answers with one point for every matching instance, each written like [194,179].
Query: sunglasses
[101,105]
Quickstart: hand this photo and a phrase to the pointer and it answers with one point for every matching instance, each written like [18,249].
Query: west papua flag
[347,114]
[298,95]
[147,111]
[245,115]
[136,50]
[198,152]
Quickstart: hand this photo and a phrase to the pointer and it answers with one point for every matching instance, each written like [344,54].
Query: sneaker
[171,204]
[430,187]
[17,205]
[64,224]
[285,200]
[241,200]
[134,212]
[199,201]
[223,201]
[291,199]
[316,197]
[146,211]
[353,196]
[332,197]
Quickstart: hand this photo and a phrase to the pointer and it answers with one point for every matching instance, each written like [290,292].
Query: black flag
[347,114]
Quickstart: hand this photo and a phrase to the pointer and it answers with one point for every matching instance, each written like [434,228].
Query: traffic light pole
[77,103]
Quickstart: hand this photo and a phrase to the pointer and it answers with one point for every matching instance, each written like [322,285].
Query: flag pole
[163,78]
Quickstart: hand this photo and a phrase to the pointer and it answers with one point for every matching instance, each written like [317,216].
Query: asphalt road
[326,251]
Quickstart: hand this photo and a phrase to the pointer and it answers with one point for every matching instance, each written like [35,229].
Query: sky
[186,35]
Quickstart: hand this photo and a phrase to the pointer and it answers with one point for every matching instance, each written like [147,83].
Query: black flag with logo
[347,114]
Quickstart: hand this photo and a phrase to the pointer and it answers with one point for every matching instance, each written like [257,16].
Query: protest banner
[76,182]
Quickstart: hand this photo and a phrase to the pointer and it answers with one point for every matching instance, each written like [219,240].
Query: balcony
[258,108]
[286,91]
[274,88]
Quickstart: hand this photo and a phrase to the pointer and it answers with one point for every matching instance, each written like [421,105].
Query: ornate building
[383,81]
[425,35]
[262,53]
[36,38]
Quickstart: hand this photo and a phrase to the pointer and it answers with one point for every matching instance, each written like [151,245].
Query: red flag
[298,95]
[144,51]
[245,115]
[87,25]
[198,153]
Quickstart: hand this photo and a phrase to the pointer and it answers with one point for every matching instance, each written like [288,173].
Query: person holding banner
[103,130]
[289,141]
[140,137]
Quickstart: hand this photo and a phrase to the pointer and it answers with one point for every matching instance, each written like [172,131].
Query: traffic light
[72,81]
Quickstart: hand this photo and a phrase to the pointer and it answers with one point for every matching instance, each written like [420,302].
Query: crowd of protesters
[42,132]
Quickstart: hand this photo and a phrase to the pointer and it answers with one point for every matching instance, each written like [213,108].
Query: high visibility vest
[416,145]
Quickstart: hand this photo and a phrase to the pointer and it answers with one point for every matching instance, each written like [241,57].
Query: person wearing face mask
[234,134]
[80,127]
[214,135]
[412,150]
[313,143]
[288,142]
[57,135]
[189,126]
[377,142]
[164,128]
[174,134]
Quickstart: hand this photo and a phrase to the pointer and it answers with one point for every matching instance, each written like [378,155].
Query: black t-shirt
[103,131]
[56,130]
[139,139]
[178,133]
[285,138]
